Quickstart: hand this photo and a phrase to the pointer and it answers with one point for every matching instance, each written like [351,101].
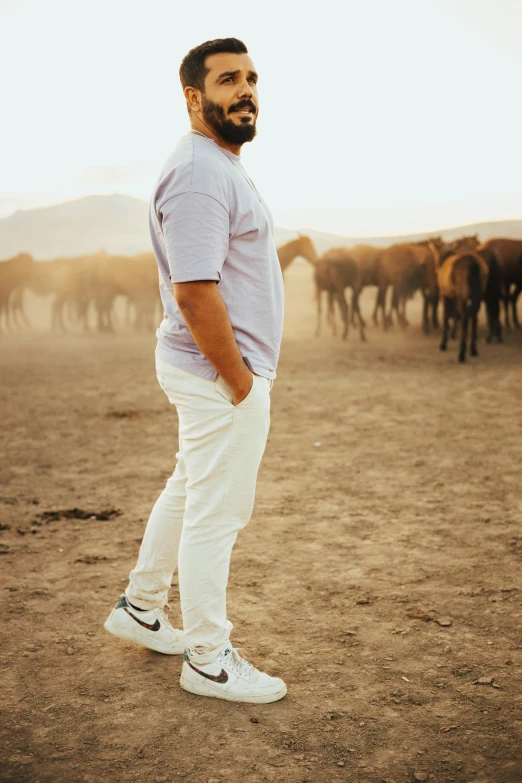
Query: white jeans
[207,500]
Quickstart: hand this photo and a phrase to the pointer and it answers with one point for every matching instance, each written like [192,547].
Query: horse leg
[396,305]
[490,321]
[435,310]
[343,307]
[505,303]
[7,315]
[425,313]
[331,312]
[362,324]
[110,324]
[318,323]
[514,297]
[455,316]
[463,330]
[61,317]
[445,325]
[355,306]
[99,315]
[376,307]
[386,317]
[473,344]
[405,322]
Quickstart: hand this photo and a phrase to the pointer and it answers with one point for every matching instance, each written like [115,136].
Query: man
[216,359]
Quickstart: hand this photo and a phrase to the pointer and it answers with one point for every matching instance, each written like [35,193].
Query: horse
[462,280]
[508,253]
[335,271]
[368,258]
[406,267]
[302,246]
[14,275]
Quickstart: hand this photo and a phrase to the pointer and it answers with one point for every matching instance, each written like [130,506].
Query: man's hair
[192,71]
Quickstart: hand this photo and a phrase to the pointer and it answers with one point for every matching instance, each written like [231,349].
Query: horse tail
[475,286]
[493,288]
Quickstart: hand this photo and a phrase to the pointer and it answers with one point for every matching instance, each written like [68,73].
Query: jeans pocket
[224,391]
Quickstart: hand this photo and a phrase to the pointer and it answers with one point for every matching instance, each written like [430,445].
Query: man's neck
[199,126]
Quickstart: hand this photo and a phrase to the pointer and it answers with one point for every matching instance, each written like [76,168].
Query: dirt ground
[379,576]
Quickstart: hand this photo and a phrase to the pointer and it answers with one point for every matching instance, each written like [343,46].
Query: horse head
[306,248]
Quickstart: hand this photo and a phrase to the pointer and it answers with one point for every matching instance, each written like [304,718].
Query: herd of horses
[462,274]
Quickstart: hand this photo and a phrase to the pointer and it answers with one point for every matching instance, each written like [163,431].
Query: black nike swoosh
[155,627]
[222,677]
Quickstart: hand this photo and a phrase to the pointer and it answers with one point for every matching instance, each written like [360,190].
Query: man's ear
[193,98]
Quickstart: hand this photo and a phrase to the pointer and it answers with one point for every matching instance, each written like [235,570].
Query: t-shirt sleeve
[196,232]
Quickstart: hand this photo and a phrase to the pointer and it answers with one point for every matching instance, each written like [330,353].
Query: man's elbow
[191,296]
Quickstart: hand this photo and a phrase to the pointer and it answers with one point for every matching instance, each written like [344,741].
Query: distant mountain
[116,223]
[119,224]
[498,228]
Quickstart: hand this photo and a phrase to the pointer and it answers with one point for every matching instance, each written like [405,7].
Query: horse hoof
[473,352]
[462,357]
[443,347]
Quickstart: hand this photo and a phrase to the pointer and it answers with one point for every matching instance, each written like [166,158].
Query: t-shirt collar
[231,155]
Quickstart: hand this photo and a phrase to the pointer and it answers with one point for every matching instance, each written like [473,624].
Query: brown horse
[442,251]
[132,277]
[335,271]
[71,281]
[462,279]
[324,284]
[368,259]
[508,253]
[406,267]
[14,274]
[302,246]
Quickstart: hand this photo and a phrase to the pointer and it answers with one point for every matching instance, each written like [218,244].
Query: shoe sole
[210,690]
[145,641]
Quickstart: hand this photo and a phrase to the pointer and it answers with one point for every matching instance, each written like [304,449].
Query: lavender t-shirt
[208,223]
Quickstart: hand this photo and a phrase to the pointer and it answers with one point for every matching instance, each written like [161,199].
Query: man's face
[229,103]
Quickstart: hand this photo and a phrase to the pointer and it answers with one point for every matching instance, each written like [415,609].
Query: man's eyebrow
[235,73]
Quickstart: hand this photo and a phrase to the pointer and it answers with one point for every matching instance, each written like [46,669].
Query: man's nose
[245,89]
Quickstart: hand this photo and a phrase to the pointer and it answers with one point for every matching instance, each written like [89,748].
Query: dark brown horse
[508,253]
[462,279]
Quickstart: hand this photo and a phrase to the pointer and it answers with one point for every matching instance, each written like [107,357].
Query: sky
[376,117]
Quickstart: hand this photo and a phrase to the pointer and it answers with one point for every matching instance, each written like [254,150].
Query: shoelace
[240,664]
[163,615]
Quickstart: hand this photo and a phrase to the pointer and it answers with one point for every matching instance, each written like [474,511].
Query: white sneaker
[151,628]
[231,677]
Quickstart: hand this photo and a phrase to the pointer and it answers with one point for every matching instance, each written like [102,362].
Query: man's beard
[214,116]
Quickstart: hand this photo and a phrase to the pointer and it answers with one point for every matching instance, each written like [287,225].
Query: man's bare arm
[205,314]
